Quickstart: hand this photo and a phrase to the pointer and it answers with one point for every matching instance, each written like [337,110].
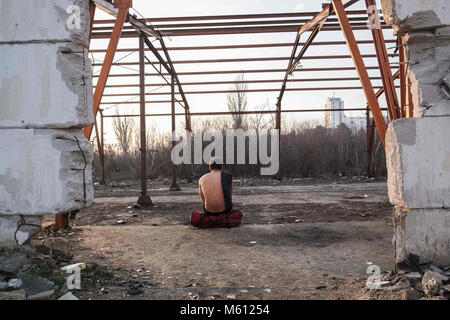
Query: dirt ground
[300,239]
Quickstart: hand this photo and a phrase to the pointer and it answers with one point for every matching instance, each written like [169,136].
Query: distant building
[334,118]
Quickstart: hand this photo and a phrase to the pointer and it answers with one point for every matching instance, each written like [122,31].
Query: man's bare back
[211,194]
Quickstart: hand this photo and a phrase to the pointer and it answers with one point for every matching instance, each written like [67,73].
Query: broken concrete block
[50,88]
[44,20]
[422,232]
[13,233]
[407,15]
[47,171]
[418,162]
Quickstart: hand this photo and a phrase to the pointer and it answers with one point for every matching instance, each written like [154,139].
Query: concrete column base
[16,230]
[422,232]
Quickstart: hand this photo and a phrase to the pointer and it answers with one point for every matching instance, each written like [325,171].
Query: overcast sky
[217,102]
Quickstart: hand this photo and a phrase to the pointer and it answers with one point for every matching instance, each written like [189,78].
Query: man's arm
[202,197]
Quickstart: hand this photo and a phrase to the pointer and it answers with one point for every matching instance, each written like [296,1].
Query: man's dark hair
[216,164]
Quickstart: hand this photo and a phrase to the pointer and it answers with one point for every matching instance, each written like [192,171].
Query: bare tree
[237,101]
[124,128]
[261,121]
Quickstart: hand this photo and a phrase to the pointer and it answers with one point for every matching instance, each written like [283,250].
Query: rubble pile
[413,282]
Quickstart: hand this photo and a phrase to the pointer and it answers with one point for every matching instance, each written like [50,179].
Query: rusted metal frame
[180,88]
[244,46]
[361,69]
[231,24]
[240,71]
[102,148]
[237,17]
[157,55]
[97,138]
[204,83]
[236,30]
[107,63]
[368,143]
[385,67]
[296,61]
[226,113]
[144,199]
[238,91]
[111,9]
[174,186]
[250,59]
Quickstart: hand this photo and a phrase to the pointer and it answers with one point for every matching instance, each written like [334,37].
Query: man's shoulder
[204,177]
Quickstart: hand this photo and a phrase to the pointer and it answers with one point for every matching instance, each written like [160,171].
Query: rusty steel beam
[180,88]
[250,59]
[241,71]
[238,91]
[102,148]
[236,30]
[107,63]
[234,17]
[361,69]
[231,24]
[385,67]
[174,186]
[113,10]
[226,113]
[203,83]
[144,199]
[244,46]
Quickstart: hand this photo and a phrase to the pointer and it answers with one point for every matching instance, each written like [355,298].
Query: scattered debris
[231,297]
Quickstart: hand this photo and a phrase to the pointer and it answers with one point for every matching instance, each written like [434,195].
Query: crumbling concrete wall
[45,101]
[418,149]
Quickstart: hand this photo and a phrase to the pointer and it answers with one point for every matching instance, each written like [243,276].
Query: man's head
[215,164]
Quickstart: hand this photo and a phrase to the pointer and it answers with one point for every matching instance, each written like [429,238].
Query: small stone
[3,285]
[35,284]
[46,295]
[68,296]
[413,275]
[231,296]
[13,262]
[15,283]
[410,294]
[268,290]
[13,295]
[431,282]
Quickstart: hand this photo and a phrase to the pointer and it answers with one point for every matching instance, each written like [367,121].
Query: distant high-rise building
[334,118]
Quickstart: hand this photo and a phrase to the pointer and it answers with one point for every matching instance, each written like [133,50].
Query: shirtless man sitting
[215,189]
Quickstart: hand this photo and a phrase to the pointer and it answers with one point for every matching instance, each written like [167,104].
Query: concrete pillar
[46,100]
[418,149]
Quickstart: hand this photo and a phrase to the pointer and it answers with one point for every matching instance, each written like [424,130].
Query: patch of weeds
[95,274]
[48,269]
